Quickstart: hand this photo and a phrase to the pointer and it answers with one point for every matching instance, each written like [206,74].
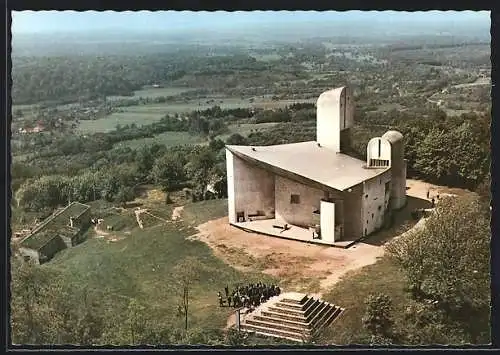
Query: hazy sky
[66,21]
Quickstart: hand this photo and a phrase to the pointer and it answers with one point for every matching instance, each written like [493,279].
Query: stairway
[292,316]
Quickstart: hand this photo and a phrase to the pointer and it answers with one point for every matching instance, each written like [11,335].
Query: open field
[169,139]
[152,92]
[478,82]
[147,114]
[114,263]
[109,123]
[23,107]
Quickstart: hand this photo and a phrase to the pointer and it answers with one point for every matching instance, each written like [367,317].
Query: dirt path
[300,266]
[176,213]
[103,234]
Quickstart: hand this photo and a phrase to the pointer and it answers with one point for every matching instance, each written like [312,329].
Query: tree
[200,168]
[236,139]
[124,195]
[455,265]
[378,315]
[449,260]
[187,273]
[168,171]
[33,319]
[136,321]
[236,338]
[145,159]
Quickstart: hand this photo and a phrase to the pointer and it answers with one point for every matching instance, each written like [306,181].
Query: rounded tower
[398,169]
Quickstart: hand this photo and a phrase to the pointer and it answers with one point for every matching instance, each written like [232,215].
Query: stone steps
[294,305]
[274,314]
[294,319]
[264,333]
[277,308]
[328,320]
[274,332]
[282,327]
[329,315]
[272,319]
[317,313]
[294,301]
[316,307]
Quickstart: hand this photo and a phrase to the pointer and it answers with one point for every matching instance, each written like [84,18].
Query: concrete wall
[79,238]
[300,214]
[250,189]
[399,186]
[230,186]
[334,116]
[398,167]
[375,202]
[352,206]
[68,241]
[52,248]
[83,221]
[327,221]
[398,176]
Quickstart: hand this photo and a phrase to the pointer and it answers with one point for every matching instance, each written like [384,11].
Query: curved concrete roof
[313,162]
[393,136]
[329,95]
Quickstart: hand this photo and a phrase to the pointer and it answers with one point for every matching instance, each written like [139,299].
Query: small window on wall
[294,199]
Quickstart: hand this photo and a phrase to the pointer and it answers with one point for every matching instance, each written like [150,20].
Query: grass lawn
[152,92]
[169,139]
[351,292]
[140,266]
[201,212]
[108,123]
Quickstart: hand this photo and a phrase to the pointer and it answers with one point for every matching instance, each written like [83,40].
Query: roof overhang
[337,194]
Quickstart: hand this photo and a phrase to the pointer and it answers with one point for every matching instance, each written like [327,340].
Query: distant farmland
[152,92]
[108,123]
[169,139]
[147,114]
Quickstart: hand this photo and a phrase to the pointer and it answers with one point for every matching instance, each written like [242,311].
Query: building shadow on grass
[403,221]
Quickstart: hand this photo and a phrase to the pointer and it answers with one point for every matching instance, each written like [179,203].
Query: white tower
[398,169]
[335,116]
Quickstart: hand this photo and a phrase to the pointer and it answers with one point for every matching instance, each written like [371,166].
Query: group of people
[433,200]
[250,296]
